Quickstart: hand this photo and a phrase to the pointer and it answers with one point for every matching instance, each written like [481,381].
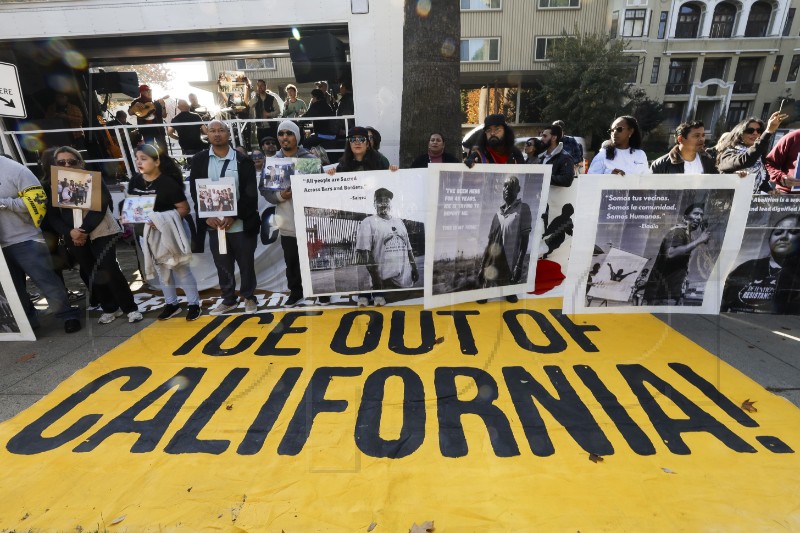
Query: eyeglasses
[257,156]
[357,140]
[68,162]
[285,133]
[754,130]
[618,129]
[270,142]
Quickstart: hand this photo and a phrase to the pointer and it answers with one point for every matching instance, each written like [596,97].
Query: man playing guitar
[150,118]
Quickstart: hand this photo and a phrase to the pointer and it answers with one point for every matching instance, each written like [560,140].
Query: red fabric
[500,159]
[782,160]
[548,276]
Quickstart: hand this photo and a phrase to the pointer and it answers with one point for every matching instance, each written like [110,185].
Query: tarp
[497,417]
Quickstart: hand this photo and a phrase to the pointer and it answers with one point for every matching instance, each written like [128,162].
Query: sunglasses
[618,129]
[754,130]
[257,157]
[68,162]
[357,140]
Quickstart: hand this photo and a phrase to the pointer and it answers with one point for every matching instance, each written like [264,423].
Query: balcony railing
[677,88]
[745,88]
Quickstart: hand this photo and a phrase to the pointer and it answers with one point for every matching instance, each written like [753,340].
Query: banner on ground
[766,277]
[372,241]
[483,222]
[685,230]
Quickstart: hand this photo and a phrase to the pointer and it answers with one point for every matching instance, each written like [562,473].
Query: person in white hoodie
[288,138]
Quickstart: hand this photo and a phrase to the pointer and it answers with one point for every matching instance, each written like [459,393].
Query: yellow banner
[481,418]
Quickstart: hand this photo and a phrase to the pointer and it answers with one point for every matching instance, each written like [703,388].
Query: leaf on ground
[593,457]
[26,516]
[439,340]
[748,406]
[118,519]
[229,407]
[425,527]
[668,471]
[26,357]
[372,526]
[189,489]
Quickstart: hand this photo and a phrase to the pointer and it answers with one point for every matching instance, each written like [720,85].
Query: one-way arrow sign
[11,103]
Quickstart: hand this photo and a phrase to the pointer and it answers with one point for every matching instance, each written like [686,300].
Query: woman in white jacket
[622,154]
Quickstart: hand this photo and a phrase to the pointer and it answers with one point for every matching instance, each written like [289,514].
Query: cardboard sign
[75,188]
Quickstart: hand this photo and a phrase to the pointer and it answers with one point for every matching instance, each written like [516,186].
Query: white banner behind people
[373,240]
[483,224]
[686,229]
[766,275]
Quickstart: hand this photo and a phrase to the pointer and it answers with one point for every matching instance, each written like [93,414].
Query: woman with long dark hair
[746,149]
[359,154]
[622,153]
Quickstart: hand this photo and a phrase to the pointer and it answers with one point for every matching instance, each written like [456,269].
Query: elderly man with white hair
[222,161]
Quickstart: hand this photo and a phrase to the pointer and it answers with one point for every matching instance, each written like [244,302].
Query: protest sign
[75,188]
[14,325]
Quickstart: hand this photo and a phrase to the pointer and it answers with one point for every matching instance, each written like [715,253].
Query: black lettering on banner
[670,429]
[397,333]
[452,441]
[575,331]
[265,420]
[557,342]
[312,404]
[368,423]
[192,343]
[185,439]
[716,396]
[372,335]
[567,409]
[150,431]
[634,435]
[465,338]
[30,440]
[284,327]
[214,346]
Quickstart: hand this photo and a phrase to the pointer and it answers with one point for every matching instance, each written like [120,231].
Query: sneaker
[170,310]
[134,316]
[324,300]
[194,313]
[74,296]
[380,301]
[72,325]
[250,307]
[108,318]
[293,300]
[363,301]
[222,308]
[512,298]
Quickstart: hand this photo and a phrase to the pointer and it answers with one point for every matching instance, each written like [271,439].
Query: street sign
[11,104]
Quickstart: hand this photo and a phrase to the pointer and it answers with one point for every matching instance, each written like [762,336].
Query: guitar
[143,109]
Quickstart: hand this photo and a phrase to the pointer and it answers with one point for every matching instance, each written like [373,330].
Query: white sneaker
[363,301]
[250,307]
[380,301]
[108,318]
[223,308]
[134,316]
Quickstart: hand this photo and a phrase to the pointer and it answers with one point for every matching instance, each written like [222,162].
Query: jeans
[178,276]
[33,258]
[292,259]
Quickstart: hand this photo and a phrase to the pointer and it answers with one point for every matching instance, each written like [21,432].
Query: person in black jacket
[436,153]
[563,166]
[496,143]
[688,156]
[746,149]
[240,231]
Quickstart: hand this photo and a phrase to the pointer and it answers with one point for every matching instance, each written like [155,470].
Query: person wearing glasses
[436,153]
[622,153]
[496,143]
[269,145]
[359,154]
[25,250]
[688,156]
[745,150]
[289,137]
[258,159]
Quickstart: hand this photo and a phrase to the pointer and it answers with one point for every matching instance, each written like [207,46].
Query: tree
[431,69]
[586,84]
[648,113]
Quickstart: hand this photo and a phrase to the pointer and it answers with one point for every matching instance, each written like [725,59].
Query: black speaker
[116,82]
[318,57]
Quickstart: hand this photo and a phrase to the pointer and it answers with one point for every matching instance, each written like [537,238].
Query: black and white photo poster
[483,226]
[14,325]
[766,275]
[364,231]
[655,243]
[555,242]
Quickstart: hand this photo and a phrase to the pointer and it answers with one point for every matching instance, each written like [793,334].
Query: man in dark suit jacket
[222,161]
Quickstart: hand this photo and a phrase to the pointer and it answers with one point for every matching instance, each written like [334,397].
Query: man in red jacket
[782,163]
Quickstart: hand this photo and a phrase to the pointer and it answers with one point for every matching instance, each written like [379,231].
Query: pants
[292,259]
[241,251]
[178,276]
[98,258]
[33,258]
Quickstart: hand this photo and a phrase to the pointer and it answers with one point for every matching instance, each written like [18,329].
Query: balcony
[677,88]
[745,88]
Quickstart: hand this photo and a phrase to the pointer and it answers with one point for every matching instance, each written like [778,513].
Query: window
[722,23]
[480,5]
[673,113]
[737,112]
[758,21]
[543,45]
[792,76]
[476,50]
[614,24]
[680,76]
[654,71]
[765,111]
[776,69]
[688,22]
[662,25]
[787,28]
[265,63]
[634,22]
[552,4]
[631,69]
[714,68]
[746,75]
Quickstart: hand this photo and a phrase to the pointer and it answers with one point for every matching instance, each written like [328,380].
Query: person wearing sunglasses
[94,246]
[688,156]
[359,154]
[622,153]
[269,145]
[746,148]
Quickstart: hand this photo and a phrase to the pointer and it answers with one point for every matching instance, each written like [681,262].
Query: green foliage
[529,104]
[648,113]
